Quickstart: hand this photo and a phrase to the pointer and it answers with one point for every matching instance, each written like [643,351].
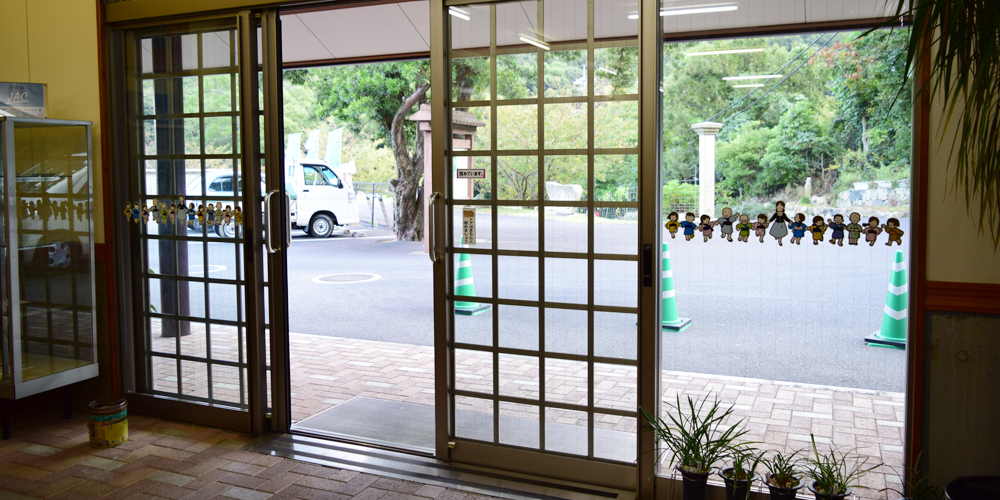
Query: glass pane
[616,124]
[519,376]
[566,126]
[474,418]
[470,78]
[566,431]
[566,381]
[614,437]
[517,76]
[519,425]
[517,127]
[474,371]
[518,277]
[566,281]
[51,167]
[518,327]
[517,177]
[566,331]
[566,72]
[616,71]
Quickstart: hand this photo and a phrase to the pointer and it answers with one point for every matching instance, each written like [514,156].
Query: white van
[320,198]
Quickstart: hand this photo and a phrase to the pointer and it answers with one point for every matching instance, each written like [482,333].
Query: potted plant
[696,438]
[916,485]
[833,473]
[783,478]
[740,477]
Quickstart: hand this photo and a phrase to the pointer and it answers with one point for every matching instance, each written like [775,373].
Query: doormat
[411,426]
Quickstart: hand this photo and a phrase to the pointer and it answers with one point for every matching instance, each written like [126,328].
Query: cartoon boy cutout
[128,211]
[760,227]
[798,228]
[744,228]
[854,229]
[837,226]
[688,226]
[872,231]
[817,228]
[706,227]
[726,223]
[201,214]
[891,227]
[238,216]
[210,214]
[191,213]
[672,224]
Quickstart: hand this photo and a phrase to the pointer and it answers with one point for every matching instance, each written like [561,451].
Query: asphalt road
[795,313]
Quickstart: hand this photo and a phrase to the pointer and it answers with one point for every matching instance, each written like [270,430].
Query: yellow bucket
[108,423]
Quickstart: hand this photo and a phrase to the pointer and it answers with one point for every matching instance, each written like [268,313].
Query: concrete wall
[55,42]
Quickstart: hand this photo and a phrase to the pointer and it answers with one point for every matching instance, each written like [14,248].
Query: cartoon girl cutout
[145,214]
[838,226]
[706,227]
[238,216]
[872,231]
[210,214]
[726,223]
[891,227]
[779,228]
[818,229]
[228,217]
[128,210]
[173,213]
[744,228]
[689,226]
[760,227]
[201,214]
[798,228]
[854,229]
[672,224]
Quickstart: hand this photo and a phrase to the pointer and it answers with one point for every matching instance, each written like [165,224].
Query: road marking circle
[345,278]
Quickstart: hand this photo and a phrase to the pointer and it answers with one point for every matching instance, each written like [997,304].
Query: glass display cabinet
[47,242]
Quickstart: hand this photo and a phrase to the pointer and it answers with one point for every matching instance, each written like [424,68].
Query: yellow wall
[955,249]
[55,42]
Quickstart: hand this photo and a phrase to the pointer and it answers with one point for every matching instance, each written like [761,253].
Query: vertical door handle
[288,219]
[267,222]
[647,264]
[431,234]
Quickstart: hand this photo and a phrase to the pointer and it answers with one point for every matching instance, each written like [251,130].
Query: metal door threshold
[423,469]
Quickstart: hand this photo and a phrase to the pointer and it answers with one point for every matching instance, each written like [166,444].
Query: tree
[375,99]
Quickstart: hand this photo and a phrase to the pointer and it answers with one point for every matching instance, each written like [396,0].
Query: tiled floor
[49,457]
[327,371]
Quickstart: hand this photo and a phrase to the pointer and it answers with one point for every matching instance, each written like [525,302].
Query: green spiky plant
[744,459]
[963,71]
[783,471]
[695,435]
[835,472]
[916,485]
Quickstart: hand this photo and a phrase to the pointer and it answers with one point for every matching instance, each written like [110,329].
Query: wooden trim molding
[982,298]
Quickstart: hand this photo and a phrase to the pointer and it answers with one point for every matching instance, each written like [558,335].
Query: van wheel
[320,226]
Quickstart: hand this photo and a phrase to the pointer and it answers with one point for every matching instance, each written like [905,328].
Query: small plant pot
[780,493]
[694,484]
[827,496]
[737,489]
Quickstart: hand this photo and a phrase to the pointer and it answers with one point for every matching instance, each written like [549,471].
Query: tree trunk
[408,205]
[864,134]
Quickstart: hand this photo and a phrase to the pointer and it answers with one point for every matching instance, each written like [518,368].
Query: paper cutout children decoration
[201,214]
[238,216]
[744,228]
[128,210]
[706,227]
[818,229]
[726,223]
[689,226]
[228,217]
[872,231]
[779,229]
[760,227]
[145,213]
[891,227]
[190,215]
[210,214]
[837,226]
[798,229]
[672,224]
[854,229]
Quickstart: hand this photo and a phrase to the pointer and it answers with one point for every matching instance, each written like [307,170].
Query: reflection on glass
[54,273]
[470,79]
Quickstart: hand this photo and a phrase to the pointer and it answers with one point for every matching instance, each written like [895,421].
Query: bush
[679,197]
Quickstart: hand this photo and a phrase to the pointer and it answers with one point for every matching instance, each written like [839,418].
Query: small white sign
[468,225]
[470,173]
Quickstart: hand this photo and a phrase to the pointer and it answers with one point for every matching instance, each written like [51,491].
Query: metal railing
[378,211]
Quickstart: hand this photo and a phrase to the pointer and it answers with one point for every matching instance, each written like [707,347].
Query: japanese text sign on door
[469,226]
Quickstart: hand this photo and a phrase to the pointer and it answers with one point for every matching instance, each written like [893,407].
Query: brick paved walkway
[48,457]
[327,371]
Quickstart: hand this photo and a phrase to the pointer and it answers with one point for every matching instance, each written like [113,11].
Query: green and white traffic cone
[893,332]
[669,302]
[466,287]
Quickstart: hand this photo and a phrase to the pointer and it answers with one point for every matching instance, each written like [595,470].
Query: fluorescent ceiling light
[536,43]
[459,13]
[751,77]
[693,9]
[748,86]
[721,52]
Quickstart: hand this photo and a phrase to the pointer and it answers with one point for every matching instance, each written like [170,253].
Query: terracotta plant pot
[827,496]
[780,493]
[694,484]
[737,489]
